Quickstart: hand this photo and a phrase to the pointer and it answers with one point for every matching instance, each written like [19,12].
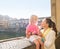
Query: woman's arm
[40,33]
[50,40]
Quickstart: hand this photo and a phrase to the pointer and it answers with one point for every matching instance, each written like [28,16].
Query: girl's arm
[27,34]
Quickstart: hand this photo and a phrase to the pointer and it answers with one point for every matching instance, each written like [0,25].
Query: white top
[50,40]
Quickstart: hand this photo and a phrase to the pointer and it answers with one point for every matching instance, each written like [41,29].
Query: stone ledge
[5,40]
[15,43]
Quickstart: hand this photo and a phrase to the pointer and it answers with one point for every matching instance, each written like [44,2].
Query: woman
[32,31]
[49,32]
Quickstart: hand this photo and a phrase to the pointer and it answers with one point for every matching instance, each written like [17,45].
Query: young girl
[33,33]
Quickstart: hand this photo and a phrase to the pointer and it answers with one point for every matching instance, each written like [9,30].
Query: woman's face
[44,24]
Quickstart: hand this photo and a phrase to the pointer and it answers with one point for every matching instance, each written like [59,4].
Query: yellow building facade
[55,12]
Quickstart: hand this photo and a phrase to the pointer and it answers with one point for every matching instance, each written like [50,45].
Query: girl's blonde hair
[33,18]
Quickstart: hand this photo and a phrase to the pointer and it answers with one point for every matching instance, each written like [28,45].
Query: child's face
[33,19]
[33,22]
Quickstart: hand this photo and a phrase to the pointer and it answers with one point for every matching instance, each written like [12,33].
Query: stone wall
[18,43]
[55,12]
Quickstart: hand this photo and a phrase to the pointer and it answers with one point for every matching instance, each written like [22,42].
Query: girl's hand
[28,35]
[33,33]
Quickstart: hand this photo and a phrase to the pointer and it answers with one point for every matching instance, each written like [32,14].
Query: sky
[25,8]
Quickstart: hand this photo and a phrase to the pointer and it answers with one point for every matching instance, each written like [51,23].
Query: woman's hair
[51,24]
